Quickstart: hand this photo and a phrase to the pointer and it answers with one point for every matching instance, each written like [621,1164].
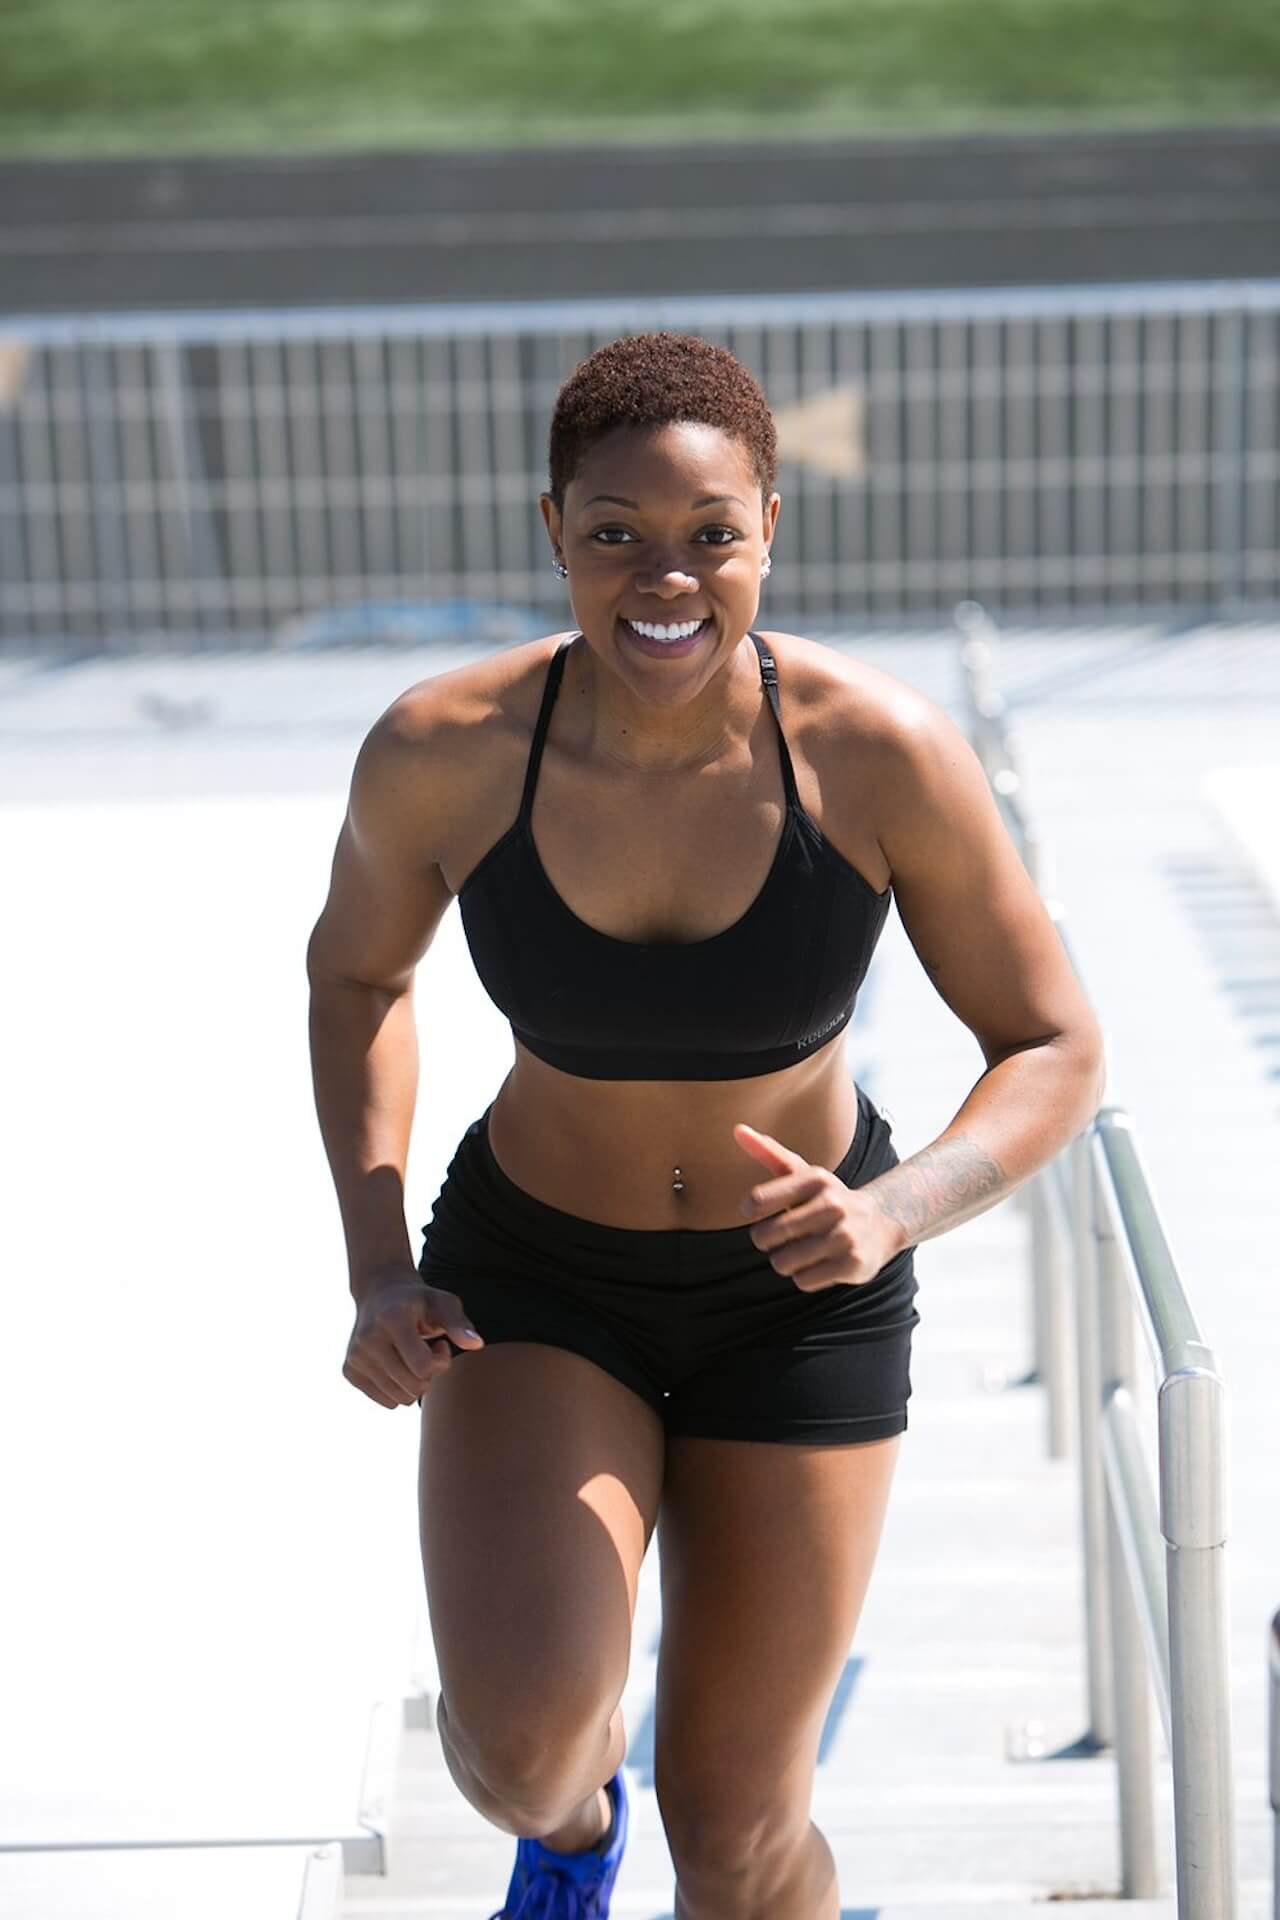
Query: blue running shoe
[567,1886]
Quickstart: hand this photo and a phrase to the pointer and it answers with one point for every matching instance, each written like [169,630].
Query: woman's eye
[709,536]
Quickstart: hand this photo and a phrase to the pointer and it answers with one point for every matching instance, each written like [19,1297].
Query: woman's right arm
[386,897]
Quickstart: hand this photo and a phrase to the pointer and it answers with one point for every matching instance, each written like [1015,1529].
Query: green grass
[131,76]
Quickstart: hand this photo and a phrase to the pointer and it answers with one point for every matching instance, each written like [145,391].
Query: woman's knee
[531,1766]
[725,1827]
[515,1707]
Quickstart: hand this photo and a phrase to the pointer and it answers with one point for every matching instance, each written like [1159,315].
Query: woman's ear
[552,517]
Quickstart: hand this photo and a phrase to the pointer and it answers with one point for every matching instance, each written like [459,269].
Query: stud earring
[559,569]
[766,567]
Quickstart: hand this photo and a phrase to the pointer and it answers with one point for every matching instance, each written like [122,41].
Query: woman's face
[662,528]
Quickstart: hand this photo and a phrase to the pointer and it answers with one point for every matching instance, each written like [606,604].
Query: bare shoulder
[450,740]
[832,701]
[460,708]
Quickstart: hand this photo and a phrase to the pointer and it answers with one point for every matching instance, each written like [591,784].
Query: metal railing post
[1232,459]
[1093,1493]
[1050,1306]
[1052,1232]
[1183,1597]
[1194,1522]
[1135,1781]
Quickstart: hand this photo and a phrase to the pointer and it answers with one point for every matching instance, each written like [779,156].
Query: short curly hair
[649,380]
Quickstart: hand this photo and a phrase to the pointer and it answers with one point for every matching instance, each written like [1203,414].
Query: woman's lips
[665,649]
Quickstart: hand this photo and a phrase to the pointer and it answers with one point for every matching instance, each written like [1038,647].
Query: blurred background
[287,290]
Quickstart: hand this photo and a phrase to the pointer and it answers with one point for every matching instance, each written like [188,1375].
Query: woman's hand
[401,1338]
[817,1231]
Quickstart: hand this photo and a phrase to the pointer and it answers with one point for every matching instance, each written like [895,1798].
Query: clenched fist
[403,1336]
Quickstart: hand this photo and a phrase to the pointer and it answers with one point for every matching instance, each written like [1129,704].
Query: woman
[668,1279]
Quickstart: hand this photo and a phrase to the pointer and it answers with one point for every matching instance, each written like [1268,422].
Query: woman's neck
[660,740]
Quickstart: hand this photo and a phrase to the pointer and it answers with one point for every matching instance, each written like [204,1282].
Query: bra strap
[769,681]
[549,691]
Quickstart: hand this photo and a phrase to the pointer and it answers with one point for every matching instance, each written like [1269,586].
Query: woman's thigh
[539,1482]
[766,1555]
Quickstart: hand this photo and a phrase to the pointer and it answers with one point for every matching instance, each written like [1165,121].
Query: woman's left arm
[984,937]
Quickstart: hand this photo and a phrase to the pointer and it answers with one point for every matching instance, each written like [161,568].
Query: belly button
[677,1184]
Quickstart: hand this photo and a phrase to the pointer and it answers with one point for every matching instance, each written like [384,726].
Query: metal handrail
[1165,1311]
[1151,1618]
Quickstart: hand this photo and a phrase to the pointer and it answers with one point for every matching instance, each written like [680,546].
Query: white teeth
[673,632]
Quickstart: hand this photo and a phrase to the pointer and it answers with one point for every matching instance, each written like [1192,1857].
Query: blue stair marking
[840,1700]
[640,1743]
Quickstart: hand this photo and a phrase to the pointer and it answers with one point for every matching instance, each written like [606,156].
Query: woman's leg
[766,1553]
[539,1483]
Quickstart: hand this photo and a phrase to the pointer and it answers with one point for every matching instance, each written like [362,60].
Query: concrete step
[157,1883]
[995,1835]
[1254,1905]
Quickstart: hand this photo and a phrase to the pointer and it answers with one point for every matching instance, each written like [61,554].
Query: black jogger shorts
[694,1320]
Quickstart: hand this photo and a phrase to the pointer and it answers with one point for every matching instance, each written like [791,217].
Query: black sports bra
[761,994]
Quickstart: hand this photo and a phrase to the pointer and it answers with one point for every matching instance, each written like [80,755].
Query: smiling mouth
[667,631]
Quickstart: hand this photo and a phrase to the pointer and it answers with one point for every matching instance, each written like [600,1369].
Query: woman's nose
[669,580]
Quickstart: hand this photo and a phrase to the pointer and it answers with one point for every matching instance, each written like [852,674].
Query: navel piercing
[766,567]
[677,1185]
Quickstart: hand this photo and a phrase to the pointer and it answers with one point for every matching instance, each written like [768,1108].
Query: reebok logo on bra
[819,1031]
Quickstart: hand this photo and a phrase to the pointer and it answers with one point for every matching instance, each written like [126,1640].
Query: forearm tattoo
[940,1186]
